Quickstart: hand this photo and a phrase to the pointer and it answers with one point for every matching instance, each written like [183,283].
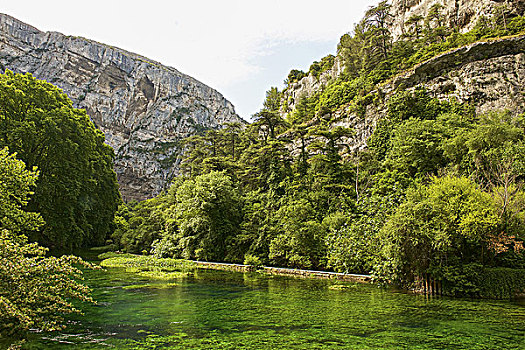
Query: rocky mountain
[487,74]
[462,14]
[144,108]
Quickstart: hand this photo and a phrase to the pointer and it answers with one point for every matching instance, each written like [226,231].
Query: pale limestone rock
[490,75]
[144,108]
[462,14]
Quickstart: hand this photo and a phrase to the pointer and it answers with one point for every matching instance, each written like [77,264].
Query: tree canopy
[437,185]
[35,291]
[77,193]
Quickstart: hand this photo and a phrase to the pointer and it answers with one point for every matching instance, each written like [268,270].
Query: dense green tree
[300,242]
[138,225]
[294,76]
[259,225]
[209,215]
[450,217]
[35,291]
[16,186]
[353,240]
[377,19]
[416,148]
[77,192]
[310,200]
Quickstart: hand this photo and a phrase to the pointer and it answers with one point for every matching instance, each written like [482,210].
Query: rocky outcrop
[310,84]
[489,75]
[145,109]
[460,14]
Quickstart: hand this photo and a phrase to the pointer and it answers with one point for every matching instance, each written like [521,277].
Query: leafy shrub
[77,191]
[253,261]
[36,291]
[460,280]
[474,280]
[164,248]
[295,75]
[501,282]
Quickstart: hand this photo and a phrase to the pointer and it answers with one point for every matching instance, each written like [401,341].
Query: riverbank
[212,309]
[144,262]
[284,271]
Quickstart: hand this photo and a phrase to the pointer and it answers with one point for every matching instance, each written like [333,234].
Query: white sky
[239,47]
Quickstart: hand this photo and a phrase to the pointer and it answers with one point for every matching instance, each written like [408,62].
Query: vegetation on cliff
[436,193]
[435,201]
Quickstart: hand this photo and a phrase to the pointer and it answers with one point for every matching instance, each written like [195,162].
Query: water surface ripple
[229,310]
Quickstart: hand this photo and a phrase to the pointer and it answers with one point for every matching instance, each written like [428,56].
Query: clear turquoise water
[227,310]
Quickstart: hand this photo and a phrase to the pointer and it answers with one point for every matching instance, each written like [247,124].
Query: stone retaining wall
[284,271]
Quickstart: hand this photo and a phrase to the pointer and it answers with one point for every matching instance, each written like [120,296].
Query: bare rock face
[462,14]
[145,109]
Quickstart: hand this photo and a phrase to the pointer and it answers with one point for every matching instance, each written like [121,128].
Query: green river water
[229,310]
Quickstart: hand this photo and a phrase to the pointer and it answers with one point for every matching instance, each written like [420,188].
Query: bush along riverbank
[475,280]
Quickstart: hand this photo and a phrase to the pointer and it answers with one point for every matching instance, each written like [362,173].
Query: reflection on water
[227,310]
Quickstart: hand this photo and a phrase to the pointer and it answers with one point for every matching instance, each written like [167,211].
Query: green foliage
[294,76]
[337,95]
[252,261]
[449,217]
[475,280]
[209,214]
[16,187]
[35,291]
[77,193]
[258,226]
[438,187]
[163,275]
[501,282]
[300,242]
[137,227]
[317,68]
[416,147]
[380,141]
[405,105]
[353,240]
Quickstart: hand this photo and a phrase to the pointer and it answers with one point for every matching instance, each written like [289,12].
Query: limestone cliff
[144,108]
[461,14]
[489,75]
[310,84]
